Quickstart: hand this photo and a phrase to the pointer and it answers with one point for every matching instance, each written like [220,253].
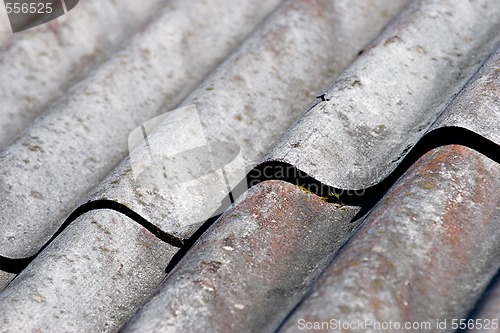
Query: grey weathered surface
[5,278]
[387,99]
[46,172]
[90,279]
[38,65]
[426,251]
[488,310]
[482,96]
[252,266]
[252,99]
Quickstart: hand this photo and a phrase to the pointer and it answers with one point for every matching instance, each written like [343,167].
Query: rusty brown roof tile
[425,253]
[252,266]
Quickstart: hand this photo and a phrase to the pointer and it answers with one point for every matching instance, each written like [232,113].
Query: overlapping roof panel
[426,252]
[39,65]
[84,134]
[321,229]
[254,264]
[251,99]
[380,107]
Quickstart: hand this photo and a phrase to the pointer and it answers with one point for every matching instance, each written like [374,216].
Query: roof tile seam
[435,136]
[363,97]
[17,265]
[332,195]
[438,164]
[19,245]
[365,198]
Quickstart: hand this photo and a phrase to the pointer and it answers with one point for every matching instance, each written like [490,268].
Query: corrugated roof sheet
[68,150]
[253,265]
[386,100]
[91,279]
[251,99]
[38,65]
[476,107]
[197,290]
[420,104]
[426,252]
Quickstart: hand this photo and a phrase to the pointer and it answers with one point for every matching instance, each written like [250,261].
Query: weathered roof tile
[38,65]
[89,279]
[251,99]
[68,150]
[427,250]
[384,102]
[253,264]
[477,106]
[420,104]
